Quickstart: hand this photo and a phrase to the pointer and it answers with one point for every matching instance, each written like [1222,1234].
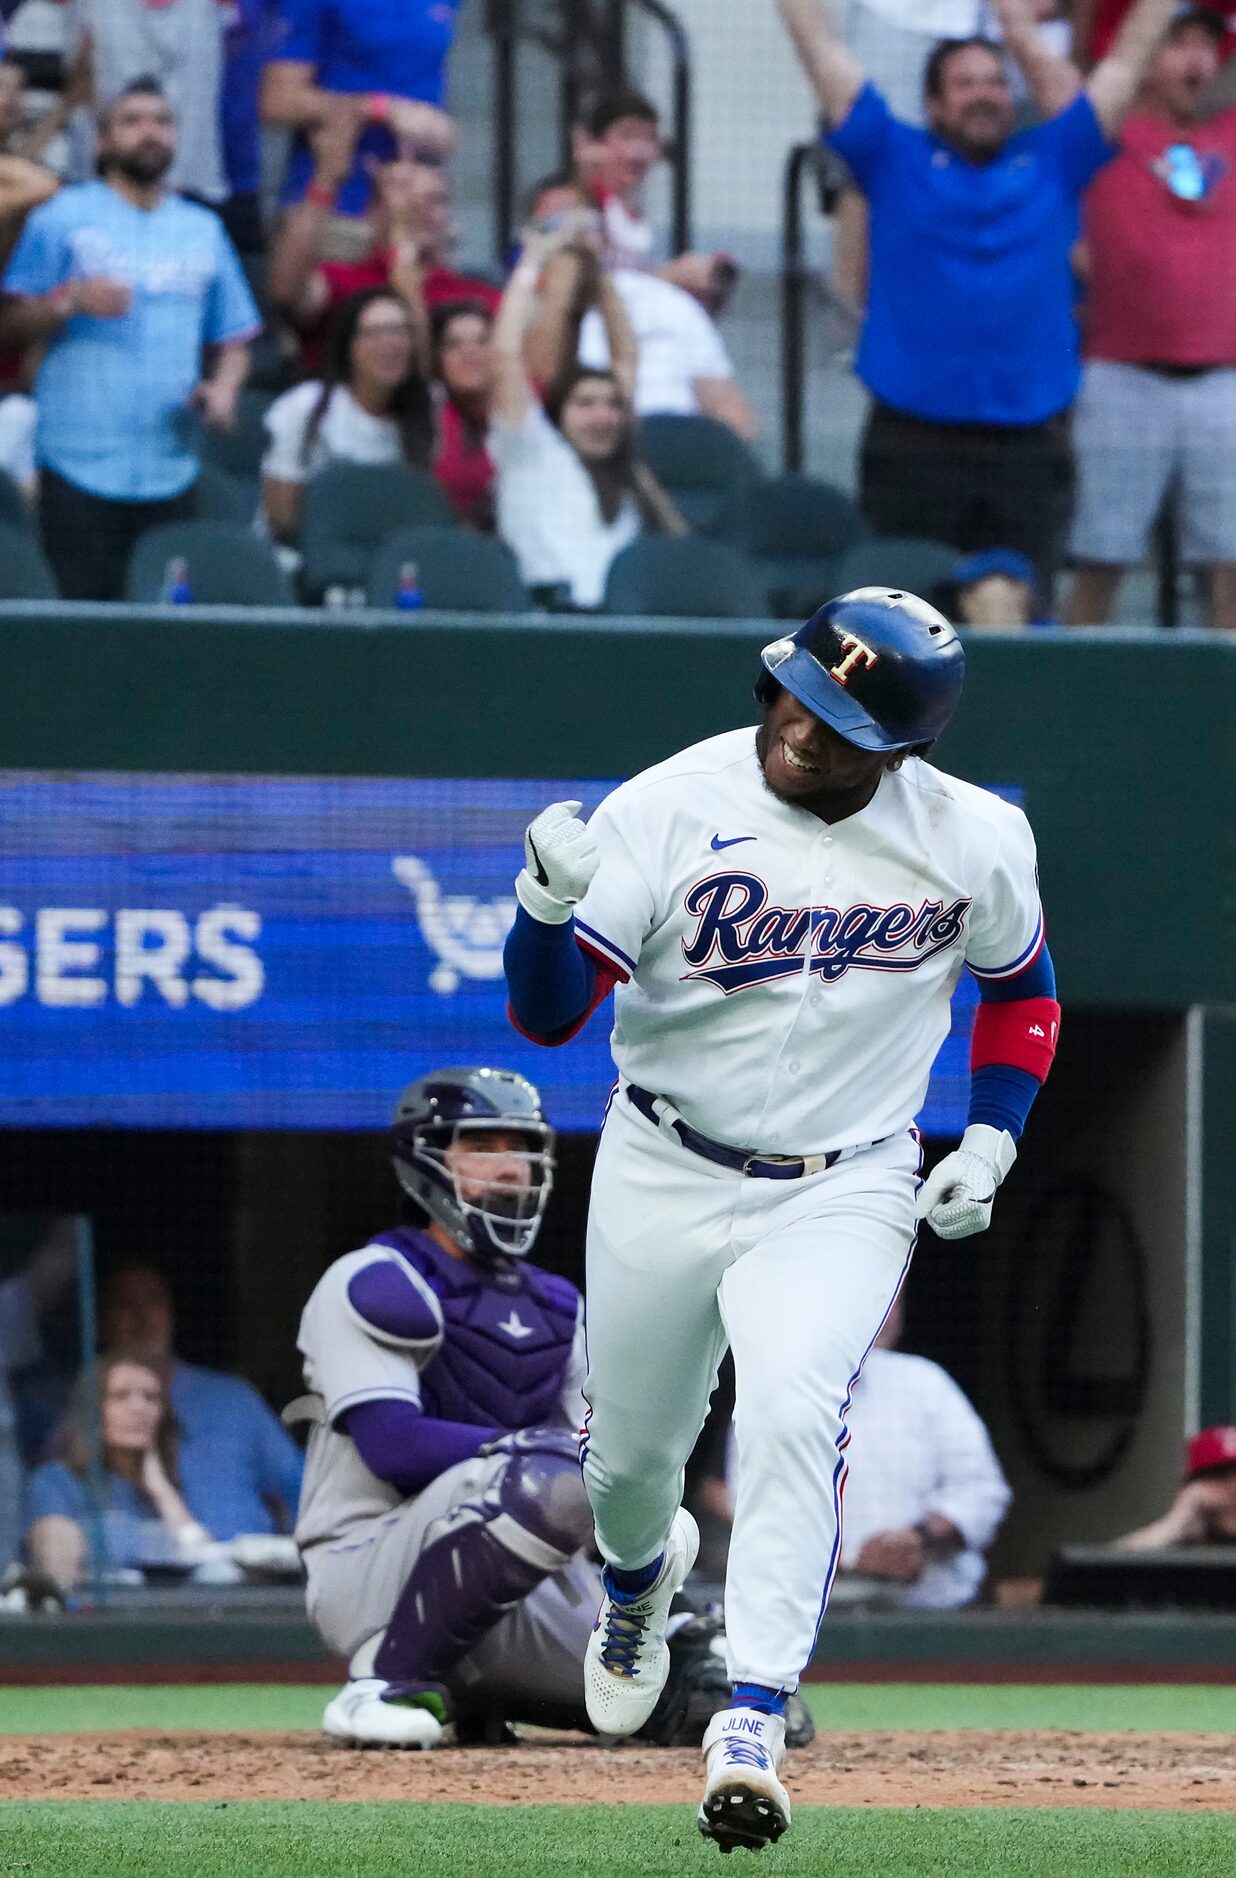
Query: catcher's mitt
[698,1685]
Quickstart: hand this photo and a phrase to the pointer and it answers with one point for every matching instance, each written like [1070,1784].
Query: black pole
[502,28]
[1167,561]
[793,286]
[682,145]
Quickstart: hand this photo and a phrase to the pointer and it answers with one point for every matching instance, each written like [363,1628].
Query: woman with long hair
[463,370]
[144,1517]
[372,404]
[572,489]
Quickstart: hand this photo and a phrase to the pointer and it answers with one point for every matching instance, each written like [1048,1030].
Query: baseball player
[443,1516]
[782,915]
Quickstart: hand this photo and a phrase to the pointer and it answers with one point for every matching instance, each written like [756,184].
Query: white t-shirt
[678,343]
[346,430]
[548,512]
[18,417]
[629,239]
[785,982]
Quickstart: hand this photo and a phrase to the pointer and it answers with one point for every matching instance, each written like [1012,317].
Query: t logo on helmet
[855,653]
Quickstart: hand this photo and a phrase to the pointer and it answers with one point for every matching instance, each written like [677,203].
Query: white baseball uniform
[784,988]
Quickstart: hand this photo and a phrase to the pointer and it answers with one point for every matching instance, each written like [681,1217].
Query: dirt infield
[970,1769]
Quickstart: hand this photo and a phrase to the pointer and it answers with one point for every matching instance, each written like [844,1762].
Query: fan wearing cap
[996,587]
[1204,1510]
[782,913]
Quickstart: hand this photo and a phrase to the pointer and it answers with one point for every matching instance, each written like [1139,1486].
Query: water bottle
[408,595]
[176,588]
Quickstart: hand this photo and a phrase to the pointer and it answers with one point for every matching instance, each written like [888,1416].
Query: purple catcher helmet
[492,1219]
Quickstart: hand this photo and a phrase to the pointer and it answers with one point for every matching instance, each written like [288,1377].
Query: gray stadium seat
[701,464]
[24,572]
[921,567]
[350,509]
[228,566]
[457,571]
[794,528]
[689,578]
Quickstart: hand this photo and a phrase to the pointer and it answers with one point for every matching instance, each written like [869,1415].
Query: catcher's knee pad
[542,1515]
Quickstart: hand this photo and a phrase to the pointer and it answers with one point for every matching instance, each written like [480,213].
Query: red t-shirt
[1109,18]
[465,469]
[1161,231]
[441,286]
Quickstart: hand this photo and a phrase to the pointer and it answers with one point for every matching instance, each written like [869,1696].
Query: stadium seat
[349,511]
[15,511]
[701,464]
[238,452]
[689,578]
[794,528]
[24,573]
[456,571]
[218,497]
[228,566]
[922,567]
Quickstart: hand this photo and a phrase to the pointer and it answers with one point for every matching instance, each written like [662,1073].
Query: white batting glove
[956,1199]
[561,856]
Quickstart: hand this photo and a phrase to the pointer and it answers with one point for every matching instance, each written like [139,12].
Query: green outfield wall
[1124,743]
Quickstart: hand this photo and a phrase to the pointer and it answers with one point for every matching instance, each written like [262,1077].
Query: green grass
[313,1839]
[1187,1707]
[843,1706]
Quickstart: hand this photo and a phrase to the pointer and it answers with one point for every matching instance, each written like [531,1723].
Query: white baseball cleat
[744,1802]
[363,1714]
[627,1659]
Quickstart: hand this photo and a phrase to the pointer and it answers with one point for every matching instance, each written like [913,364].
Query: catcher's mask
[491,1199]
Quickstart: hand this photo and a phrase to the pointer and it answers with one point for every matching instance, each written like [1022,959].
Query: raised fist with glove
[956,1198]
[561,856]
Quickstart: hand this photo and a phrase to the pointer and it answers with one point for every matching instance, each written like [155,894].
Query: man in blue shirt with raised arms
[125,284]
[969,347]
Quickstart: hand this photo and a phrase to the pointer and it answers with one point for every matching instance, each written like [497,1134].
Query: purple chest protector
[509,1333]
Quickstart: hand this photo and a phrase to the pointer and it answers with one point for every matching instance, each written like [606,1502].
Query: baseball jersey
[502,1348]
[784,981]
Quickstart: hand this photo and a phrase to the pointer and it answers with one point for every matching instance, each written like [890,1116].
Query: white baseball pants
[797,1276]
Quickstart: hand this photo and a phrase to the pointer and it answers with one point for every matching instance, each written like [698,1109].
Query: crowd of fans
[1037,229]
[144,1462]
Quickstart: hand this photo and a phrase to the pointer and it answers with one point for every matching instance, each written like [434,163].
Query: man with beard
[969,346]
[124,284]
[783,914]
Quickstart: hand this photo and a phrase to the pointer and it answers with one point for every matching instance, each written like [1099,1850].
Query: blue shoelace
[624,1632]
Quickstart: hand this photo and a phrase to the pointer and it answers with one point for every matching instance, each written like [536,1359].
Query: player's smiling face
[807,764]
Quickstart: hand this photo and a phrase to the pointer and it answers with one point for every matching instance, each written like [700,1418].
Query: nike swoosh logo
[733,841]
[539,875]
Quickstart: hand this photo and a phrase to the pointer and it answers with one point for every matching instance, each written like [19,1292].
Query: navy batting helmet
[493,1211]
[880,667]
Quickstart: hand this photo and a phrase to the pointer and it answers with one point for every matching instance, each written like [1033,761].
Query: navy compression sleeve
[550,979]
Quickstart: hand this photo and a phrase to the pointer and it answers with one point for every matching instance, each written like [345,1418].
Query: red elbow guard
[1021,1034]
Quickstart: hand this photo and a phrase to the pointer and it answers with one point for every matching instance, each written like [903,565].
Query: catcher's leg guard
[529,1524]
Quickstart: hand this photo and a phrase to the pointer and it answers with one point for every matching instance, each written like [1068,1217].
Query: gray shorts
[1135,433]
[532,1656]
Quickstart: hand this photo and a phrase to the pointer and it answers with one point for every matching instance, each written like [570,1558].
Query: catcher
[445,1531]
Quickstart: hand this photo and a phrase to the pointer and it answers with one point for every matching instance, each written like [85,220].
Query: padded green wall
[1124,743]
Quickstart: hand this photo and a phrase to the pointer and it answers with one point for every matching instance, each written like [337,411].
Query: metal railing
[588,41]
